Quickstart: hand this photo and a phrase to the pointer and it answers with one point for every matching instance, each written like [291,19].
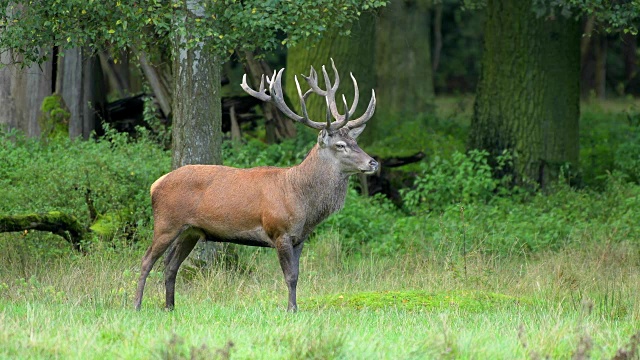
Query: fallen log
[381,181]
[54,222]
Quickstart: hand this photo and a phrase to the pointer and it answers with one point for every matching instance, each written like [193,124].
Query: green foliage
[454,204]
[365,224]
[466,178]
[159,130]
[257,153]
[427,133]
[613,16]
[610,142]
[111,174]
[33,29]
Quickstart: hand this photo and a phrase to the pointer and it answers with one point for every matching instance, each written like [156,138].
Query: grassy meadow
[557,304]
[467,268]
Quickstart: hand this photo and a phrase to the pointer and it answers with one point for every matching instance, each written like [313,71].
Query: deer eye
[341,146]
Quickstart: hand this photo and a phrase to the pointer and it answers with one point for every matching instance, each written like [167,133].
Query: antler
[276,97]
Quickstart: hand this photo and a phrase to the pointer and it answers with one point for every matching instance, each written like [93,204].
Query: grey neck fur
[321,186]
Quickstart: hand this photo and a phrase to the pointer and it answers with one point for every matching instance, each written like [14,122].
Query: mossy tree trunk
[403,62]
[353,53]
[528,93]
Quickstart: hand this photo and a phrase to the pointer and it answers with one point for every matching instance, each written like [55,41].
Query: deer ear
[323,138]
[355,132]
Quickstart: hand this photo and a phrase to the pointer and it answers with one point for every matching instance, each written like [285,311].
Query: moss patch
[470,301]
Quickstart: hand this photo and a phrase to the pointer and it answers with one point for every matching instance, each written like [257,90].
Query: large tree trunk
[527,100]
[197,114]
[197,110]
[80,83]
[21,94]
[353,53]
[403,64]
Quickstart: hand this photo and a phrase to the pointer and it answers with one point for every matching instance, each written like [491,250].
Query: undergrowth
[452,201]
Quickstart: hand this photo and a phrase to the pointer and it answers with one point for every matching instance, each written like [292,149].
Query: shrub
[609,142]
[465,178]
[110,175]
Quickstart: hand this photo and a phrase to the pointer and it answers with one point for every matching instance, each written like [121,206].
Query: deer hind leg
[179,251]
[161,241]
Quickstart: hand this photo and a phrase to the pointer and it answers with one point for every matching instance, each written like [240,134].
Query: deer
[261,206]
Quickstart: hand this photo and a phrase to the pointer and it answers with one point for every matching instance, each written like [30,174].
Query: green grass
[422,305]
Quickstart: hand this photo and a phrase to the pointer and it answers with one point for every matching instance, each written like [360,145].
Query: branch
[55,222]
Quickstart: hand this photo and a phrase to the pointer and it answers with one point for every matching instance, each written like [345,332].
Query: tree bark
[353,53]
[197,108]
[403,63]
[197,114]
[22,92]
[80,83]
[527,99]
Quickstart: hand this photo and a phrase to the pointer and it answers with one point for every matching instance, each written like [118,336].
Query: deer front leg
[289,256]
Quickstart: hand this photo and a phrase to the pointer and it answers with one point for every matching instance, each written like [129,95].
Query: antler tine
[303,105]
[312,80]
[261,94]
[367,114]
[278,100]
[356,95]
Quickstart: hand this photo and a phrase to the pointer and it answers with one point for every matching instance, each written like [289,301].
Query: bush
[609,141]
[455,205]
[465,179]
[111,174]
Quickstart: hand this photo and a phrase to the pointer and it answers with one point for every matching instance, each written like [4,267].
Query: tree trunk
[159,87]
[629,57]
[601,66]
[403,64]
[353,53]
[197,115]
[22,92]
[80,83]
[197,109]
[437,36]
[527,99]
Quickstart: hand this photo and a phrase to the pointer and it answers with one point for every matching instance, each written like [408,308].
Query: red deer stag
[263,206]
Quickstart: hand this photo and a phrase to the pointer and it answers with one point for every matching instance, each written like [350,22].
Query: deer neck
[320,185]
